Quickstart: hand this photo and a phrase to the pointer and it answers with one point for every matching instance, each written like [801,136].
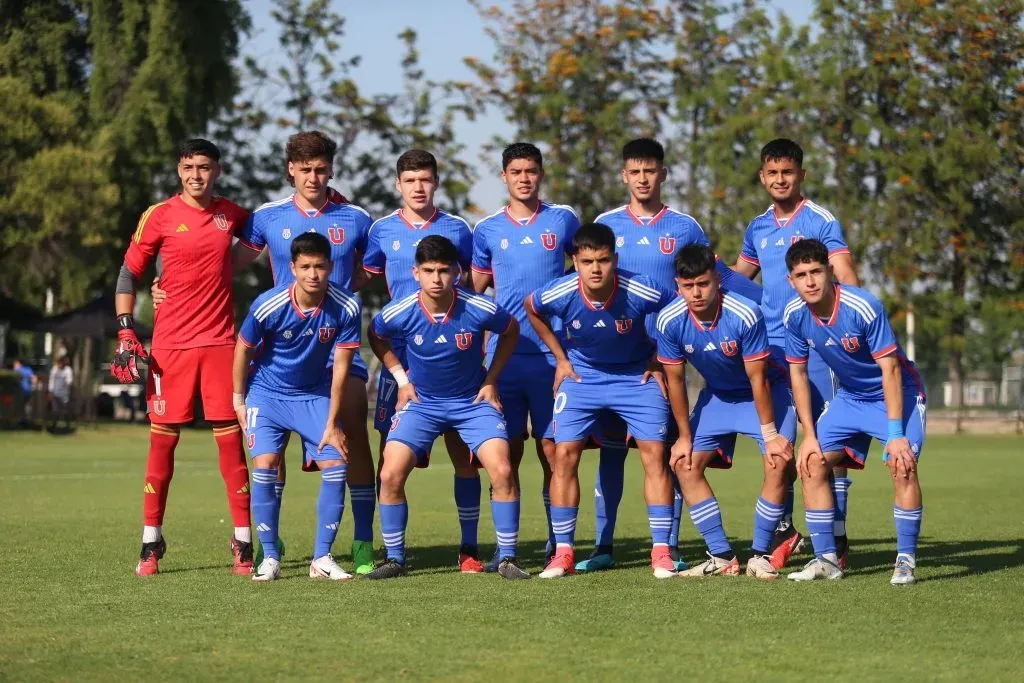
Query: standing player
[880,396]
[193,338]
[603,310]
[792,217]
[391,250]
[519,249]
[446,389]
[291,330]
[723,335]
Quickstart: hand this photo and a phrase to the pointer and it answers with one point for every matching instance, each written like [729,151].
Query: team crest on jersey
[576,324]
[624,326]
[689,348]
[851,344]
[667,245]
[327,334]
[795,238]
[549,240]
[730,347]
[286,233]
[463,340]
[418,339]
[287,334]
[764,243]
[221,221]
[504,244]
[336,233]
[620,241]
[395,246]
[159,406]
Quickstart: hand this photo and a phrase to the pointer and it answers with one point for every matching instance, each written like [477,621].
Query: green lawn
[72,608]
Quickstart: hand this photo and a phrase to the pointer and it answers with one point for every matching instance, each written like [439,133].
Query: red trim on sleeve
[372,270]
[347,345]
[529,303]
[757,356]
[836,252]
[798,361]
[671,361]
[750,260]
[884,352]
[510,319]
[374,332]
[250,245]
[485,271]
[246,342]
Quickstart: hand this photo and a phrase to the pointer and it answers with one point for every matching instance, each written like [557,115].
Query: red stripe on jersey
[757,356]
[887,351]
[700,323]
[430,316]
[789,221]
[295,305]
[671,361]
[485,271]
[605,304]
[401,214]
[249,245]
[750,259]
[347,345]
[798,361]
[654,219]
[516,221]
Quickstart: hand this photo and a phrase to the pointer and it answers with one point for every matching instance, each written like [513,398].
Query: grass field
[72,609]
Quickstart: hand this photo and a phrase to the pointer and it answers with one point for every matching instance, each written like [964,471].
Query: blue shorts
[823,382]
[419,423]
[387,394]
[580,405]
[525,384]
[716,420]
[848,424]
[269,420]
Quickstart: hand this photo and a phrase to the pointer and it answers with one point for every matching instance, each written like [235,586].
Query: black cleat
[509,569]
[388,569]
[786,542]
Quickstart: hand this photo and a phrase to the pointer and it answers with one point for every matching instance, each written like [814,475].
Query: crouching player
[445,389]
[299,325]
[603,311]
[724,336]
[880,396]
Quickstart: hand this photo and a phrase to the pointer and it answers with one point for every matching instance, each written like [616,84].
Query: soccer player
[446,388]
[391,250]
[193,341]
[793,217]
[647,235]
[603,311]
[880,396]
[519,249]
[723,336]
[290,331]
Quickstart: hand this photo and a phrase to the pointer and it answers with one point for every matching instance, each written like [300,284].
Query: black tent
[18,315]
[94,319]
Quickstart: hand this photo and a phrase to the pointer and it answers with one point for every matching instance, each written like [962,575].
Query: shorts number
[560,400]
[250,417]
[389,388]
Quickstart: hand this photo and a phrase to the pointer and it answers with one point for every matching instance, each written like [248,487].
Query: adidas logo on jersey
[643,240]
[182,228]
[308,333]
[441,340]
[600,323]
[710,346]
[780,243]
[829,342]
[526,240]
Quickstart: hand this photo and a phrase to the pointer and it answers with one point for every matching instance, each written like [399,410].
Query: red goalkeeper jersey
[195,247]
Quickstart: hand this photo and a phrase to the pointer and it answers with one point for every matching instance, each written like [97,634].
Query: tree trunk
[957,333]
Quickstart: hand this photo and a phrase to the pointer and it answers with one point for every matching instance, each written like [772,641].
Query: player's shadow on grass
[938,559]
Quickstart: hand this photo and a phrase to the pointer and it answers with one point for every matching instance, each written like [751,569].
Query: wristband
[895,429]
[125,322]
[398,372]
[769,432]
[238,400]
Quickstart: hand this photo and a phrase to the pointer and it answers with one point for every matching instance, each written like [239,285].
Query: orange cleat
[469,560]
[662,564]
[149,557]
[242,552]
[785,544]
[562,564]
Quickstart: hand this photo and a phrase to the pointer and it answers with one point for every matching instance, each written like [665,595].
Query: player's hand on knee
[489,393]
[900,459]
[778,447]
[158,295]
[681,454]
[124,366]
[333,436]
[406,394]
[654,371]
[809,451]
[564,370]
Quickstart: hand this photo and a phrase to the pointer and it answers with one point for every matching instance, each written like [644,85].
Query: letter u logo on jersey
[624,326]
[667,244]
[221,221]
[463,340]
[327,334]
[549,240]
[851,344]
[793,239]
[730,347]
[336,234]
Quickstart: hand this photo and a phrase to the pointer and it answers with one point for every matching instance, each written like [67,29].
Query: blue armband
[895,430]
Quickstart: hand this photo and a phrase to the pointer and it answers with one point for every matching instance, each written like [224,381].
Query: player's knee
[267,461]
[392,480]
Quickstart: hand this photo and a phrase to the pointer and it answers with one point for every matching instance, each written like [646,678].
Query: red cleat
[785,544]
[562,564]
[149,557]
[662,564]
[469,562]
[842,548]
[242,552]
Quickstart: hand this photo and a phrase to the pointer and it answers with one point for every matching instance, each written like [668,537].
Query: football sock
[393,519]
[243,534]
[563,521]
[660,519]
[547,512]
[330,506]
[840,489]
[820,529]
[707,517]
[677,513]
[151,534]
[279,491]
[265,510]
[159,470]
[467,500]
[787,509]
[611,473]
[363,503]
[766,520]
[908,528]
[234,471]
[506,525]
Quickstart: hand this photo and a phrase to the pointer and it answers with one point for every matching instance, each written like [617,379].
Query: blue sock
[279,491]
[506,525]
[467,500]
[677,513]
[265,509]
[660,519]
[787,509]
[707,517]
[563,521]
[547,512]
[393,519]
[840,488]
[908,528]
[330,505]
[766,520]
[611,474]
[363,502]
[821,530]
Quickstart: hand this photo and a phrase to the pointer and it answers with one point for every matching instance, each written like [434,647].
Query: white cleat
[903,574]
[269,570]
[760,567]
[817,568]
[326,568]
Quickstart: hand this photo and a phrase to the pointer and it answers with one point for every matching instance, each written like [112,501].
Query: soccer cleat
[362,557]
[786,542]
[388,569]
[596,562]
[562,564]
[679,562]
[509,568]
[662,564]
[818,568]
[903,574]
[242,552]
[495,562]
[714,566]
[269,570]
[326,568]
[148,558]
[842,548]
[761,567]
[469,560]
[549,551]
[258,556]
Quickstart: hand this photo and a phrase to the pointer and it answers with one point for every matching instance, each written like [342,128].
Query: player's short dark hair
[643,148]
[416,160]
[436,249]
[521,150]
[593,236]
[694,260]
[782,148]
[197,146]
[311,244]
[806,251]
[306,146]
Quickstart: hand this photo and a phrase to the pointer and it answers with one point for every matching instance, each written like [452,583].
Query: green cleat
[258,558]
[362,557]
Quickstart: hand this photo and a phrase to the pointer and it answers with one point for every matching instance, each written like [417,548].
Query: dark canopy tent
[94,319]
[18,315]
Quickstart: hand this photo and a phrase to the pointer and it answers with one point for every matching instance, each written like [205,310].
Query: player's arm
[843,269]
[507,340]
[359,275]
[747,262]
[481,265]
[797,352]
[899,456]
[563,368]
[143,248]
[481,280]
[240,377]
[776,445]
[243,255]
[333,434]
[381,347]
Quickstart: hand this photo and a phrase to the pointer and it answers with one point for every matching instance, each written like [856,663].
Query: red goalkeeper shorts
[177,375]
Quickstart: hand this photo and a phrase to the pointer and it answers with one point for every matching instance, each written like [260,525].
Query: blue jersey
[444,354]
[855,334]
[274,225]
[296,344]
[391,247]
[765,245]
[717,350]
[522,256]
[648,245]
[609,336]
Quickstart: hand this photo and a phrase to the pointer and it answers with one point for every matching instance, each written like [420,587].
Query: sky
[448,31]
